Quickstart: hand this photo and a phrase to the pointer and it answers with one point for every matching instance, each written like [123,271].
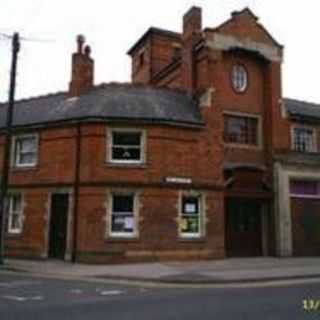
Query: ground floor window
[15,213]
[191,216]
[305,188]
[123,219]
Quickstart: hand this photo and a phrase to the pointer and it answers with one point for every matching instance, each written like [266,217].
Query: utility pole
[7,143]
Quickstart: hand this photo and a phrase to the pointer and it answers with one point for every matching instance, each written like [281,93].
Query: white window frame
[238,67]
[202,218]
[15,155]
[126,130]
[314,137]
[259,130]
[11,213]
[135,214]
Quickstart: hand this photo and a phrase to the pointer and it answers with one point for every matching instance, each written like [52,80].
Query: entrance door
[58,225]
[243,228]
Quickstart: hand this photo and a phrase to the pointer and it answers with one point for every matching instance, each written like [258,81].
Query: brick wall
[158,229]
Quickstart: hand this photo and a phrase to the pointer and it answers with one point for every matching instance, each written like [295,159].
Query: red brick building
[199,157]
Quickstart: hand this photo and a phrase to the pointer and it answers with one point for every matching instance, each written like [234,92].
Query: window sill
[192,239]
[126,165]
[13,236]
[243,146]
[306,152]
[26,168]
[110,238]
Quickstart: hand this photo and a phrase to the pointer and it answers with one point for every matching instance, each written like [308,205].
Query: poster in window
[190,208]
[129,223]
[184,224]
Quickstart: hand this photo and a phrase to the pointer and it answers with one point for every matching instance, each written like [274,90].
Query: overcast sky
[111,27]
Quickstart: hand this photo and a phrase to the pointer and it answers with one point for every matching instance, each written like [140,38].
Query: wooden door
[243,228]
[58,225]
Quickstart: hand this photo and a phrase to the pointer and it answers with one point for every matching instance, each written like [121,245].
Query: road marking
[76,291]
[36,298]
[111,292]
[23,299]
[15,284]
[15,298]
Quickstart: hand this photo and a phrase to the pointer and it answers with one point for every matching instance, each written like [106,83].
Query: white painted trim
[202,214]
[314,136]
[136,208]
[283,175]
[13,161]
[301,196]
[218,41]
[15,231]
[109,145]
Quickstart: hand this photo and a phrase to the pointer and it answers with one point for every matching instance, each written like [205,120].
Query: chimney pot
[82,73]
[87,50]
[80,41]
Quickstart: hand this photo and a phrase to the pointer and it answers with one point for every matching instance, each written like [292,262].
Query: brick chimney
[192,28]
[82,69]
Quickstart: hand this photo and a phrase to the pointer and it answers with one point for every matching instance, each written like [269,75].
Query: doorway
[58,225]
[243,228]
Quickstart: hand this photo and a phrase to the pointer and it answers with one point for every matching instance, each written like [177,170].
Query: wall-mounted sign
[178,180]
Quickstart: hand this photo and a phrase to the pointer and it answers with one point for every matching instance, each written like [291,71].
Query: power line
[29,39]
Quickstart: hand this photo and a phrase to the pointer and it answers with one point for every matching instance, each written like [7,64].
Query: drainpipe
[76,191]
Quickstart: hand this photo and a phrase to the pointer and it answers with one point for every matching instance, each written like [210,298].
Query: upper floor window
[127,146]
[15,213]
[25,150]
[304,139]
[241,129]
[239,78]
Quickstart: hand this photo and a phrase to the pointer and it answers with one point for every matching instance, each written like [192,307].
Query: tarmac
[233,270]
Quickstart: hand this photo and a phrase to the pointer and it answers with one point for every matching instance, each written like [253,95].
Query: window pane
[241,130]
[16,203]
[304,187]
[122,223]
[27,158]
[190,205]
[15,222]
[121,153]
[190,219]
[303,139]
[190,224]
[126,138]
[28,144]
[239,78]
[122,203]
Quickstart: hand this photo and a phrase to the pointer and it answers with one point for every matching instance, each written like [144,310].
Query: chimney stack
[82,69]
[192,29]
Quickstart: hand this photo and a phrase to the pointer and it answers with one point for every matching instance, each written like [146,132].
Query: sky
[49,29]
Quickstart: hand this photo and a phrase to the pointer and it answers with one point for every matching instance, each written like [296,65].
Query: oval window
[239,78]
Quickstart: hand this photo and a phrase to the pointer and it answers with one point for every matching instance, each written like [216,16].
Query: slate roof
[110,102]
[302,110]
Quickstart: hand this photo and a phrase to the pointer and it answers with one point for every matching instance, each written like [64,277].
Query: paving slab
[213,271]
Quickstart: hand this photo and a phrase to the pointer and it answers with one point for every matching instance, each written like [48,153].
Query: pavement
[235,270]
